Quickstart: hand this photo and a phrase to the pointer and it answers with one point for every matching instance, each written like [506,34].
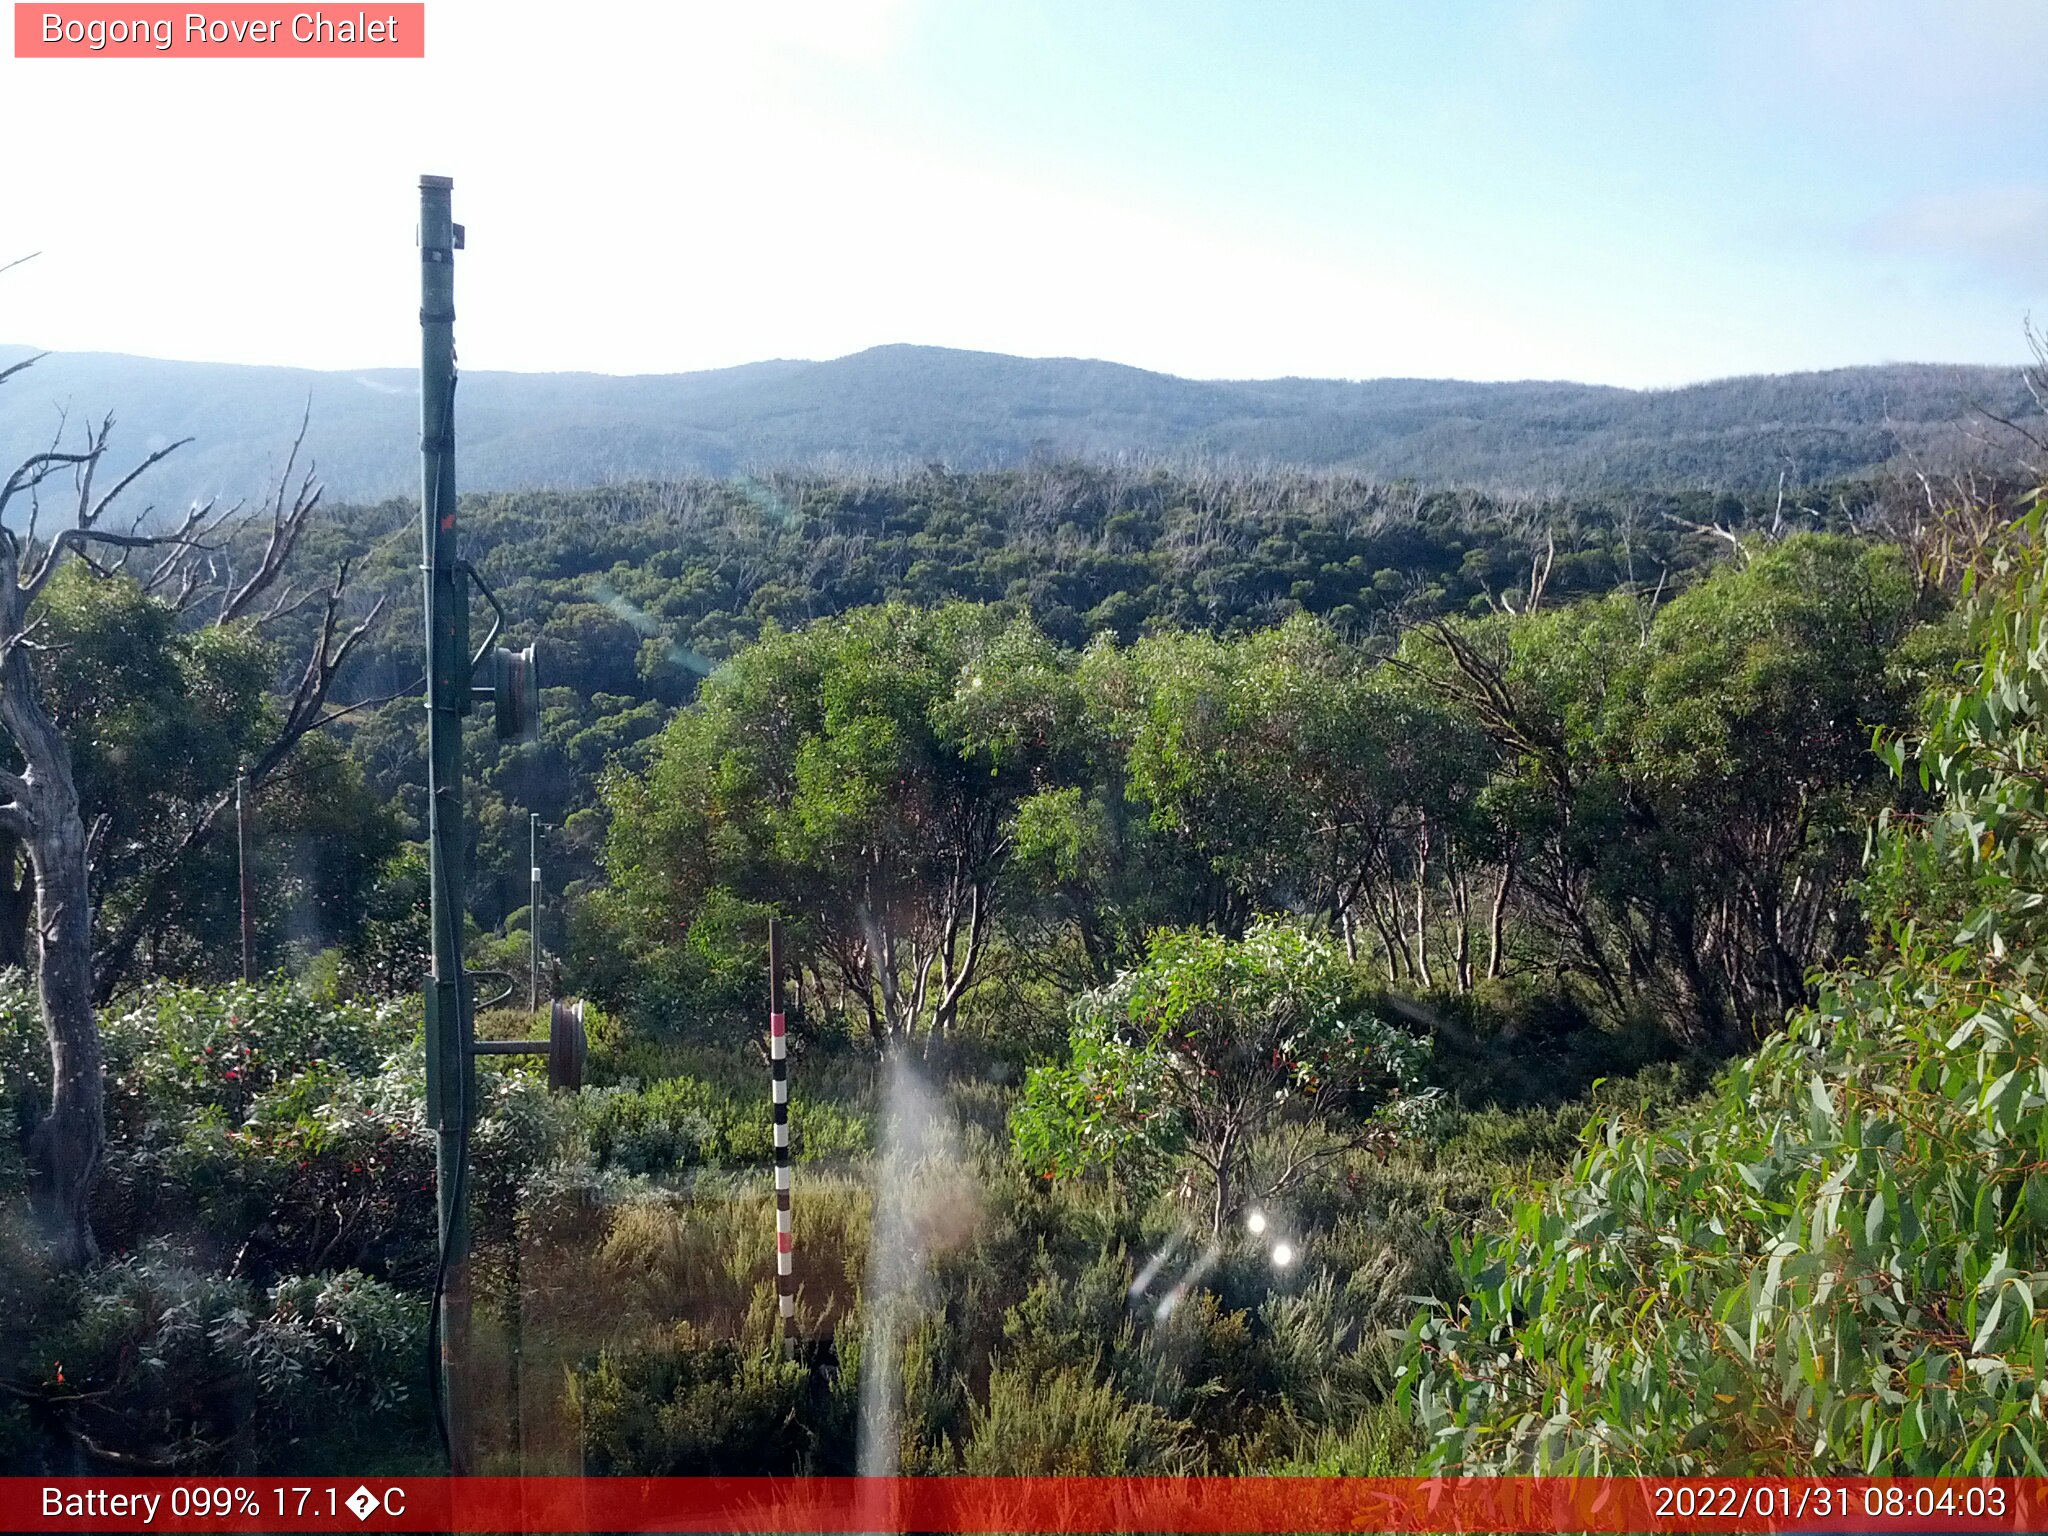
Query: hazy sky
[1627,192]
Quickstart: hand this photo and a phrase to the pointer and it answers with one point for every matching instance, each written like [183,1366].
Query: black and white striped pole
[778,1070]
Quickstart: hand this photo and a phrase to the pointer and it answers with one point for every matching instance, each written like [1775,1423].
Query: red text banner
[1077,1504]
[227,31]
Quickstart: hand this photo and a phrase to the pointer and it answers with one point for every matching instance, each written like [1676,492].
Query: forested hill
[903,405]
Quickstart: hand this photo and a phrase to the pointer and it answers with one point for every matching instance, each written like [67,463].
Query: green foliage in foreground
[269,1238]
[1842,1266]
[191,1362]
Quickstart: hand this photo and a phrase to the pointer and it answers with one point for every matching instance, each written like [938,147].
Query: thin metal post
[778,1090]
[533,910]
[450,1070]
[244,877]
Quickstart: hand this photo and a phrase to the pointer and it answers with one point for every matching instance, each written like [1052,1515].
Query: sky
[1630,192]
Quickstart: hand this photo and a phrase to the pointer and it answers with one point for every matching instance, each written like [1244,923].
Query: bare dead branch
[2025,435]
[23,638]
[35,500]
[96,838]
[26,363]
[1539,573]
[410,690]
[286,524]
[180,543]
[1713,531]
[99,507]
[77,538]
[32,471]
[96,448]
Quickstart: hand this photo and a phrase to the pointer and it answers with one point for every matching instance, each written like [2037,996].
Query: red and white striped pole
[778,1069]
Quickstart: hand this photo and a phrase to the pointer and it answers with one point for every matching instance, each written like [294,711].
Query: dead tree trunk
[64,1150]
[1461,911]
[1422,905]
[42,813]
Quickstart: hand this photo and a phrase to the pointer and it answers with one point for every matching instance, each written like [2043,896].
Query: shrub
[1327,1362]
[177,1365]
[1380,1442]
[658,1129]
[177,1050]
[1067,1424]
[694,1406]
[1836,1267]
[683,1122]
[315,1154]
[1209,1046]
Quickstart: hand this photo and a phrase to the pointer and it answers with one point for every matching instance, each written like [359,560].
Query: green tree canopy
[1686,788]
[1838,1266]
[862,777]
[1210,1047]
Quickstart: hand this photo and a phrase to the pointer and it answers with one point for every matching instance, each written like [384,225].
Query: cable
[454,921]
[441,1278]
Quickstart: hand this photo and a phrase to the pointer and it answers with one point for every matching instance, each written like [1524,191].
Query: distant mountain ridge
[902,405]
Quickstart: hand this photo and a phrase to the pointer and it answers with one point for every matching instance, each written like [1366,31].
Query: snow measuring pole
[778,1102]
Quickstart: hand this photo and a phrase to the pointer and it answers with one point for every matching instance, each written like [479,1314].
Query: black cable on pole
[435,1395]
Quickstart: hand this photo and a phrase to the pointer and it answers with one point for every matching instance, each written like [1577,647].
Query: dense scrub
[1641,814]
[268,1215]
[637,591]
[1838,1264]
[1098,806]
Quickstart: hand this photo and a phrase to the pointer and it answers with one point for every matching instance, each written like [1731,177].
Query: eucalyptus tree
[1835,1261]
[1685,789]
[1286,771]
[861,776]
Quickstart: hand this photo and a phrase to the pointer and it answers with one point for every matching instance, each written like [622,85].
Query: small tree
[1212,1046]
[862,776]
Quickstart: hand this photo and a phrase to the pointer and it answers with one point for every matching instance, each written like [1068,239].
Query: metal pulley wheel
[568,1045]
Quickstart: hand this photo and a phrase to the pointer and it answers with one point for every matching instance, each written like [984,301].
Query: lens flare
[1156,1263]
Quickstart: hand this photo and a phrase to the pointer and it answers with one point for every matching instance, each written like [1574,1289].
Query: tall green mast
[451,1071]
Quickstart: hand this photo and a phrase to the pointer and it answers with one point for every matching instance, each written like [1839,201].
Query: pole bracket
[566,1047]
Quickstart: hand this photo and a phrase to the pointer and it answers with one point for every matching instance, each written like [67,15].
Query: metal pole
[450,1070]
[533,910]
[778,1090]
[248,890]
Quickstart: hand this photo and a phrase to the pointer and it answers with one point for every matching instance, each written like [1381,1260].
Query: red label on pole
[225,31]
